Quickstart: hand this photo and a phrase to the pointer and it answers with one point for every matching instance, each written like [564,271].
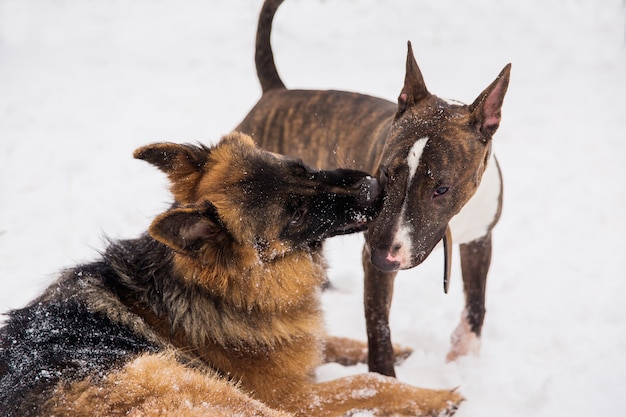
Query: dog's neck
[261,305]
[242,279]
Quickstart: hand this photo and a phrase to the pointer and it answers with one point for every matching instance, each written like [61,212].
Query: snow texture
[83,83]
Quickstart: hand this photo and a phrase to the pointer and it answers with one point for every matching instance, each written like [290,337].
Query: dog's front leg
[347,352]
[475,262]
[372,393]
[378,292]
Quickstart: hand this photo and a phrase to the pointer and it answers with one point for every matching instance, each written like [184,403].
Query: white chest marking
[476,216]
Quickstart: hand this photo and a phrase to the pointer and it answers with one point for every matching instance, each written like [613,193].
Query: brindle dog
[433,158]
[214,312]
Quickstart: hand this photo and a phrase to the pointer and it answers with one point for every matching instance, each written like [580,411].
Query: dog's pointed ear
[183,164]
[414,89]
[187,229]
[487,108]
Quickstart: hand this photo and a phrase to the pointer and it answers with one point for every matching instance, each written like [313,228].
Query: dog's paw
[464,341]
[434,403]
[400,353]
[349,352]
[452,402]
[344,351]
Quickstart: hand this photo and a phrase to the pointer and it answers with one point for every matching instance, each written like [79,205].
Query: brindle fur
[214,312]
[337,128]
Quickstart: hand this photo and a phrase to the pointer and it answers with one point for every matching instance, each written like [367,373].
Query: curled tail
[263,56]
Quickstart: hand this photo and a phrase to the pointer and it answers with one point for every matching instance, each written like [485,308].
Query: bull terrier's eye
[440,191]
[298,217]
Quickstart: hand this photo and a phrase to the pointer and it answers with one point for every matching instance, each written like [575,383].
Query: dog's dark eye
[298,217]
[440,191]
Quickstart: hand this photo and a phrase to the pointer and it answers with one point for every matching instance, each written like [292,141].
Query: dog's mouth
[351,228]
[358,224]
[386,261]
[352,211]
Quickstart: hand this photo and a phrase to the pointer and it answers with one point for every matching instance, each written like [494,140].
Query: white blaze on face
[402,243]
[413,160]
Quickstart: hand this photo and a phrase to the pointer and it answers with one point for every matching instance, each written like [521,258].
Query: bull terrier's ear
[487,108]
[183,164]
[187,229]
[414,89]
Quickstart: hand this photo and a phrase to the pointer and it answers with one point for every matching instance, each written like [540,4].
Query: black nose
[369,190]
[380,261]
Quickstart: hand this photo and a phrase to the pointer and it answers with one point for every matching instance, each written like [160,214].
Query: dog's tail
[263,56]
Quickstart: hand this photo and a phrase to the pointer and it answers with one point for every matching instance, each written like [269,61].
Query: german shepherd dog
[213,312]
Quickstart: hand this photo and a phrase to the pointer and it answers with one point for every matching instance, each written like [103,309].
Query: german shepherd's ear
[487,108]
[187,229]
[183,164]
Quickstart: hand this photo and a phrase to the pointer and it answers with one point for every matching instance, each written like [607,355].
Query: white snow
[82,84]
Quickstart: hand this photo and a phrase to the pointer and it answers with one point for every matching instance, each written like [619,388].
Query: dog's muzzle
[383,261]
[368,196]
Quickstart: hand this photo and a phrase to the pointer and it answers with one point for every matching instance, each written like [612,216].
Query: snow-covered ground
[83,83]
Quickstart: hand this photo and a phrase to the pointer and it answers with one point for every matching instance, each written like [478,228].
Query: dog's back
[79,328]
[272,118]
[55,341]
[318,115]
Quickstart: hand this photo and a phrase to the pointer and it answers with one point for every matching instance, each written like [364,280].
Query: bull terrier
[433,158]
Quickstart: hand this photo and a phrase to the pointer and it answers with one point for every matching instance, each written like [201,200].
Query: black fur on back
[68,333]
[57,340]
[83,324]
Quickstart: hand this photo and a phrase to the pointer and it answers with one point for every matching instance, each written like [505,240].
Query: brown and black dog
[433,158]
[214,312]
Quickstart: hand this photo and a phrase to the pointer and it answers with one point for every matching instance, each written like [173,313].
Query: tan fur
[350,352]
[373,393]
[280,335]
[156,385]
